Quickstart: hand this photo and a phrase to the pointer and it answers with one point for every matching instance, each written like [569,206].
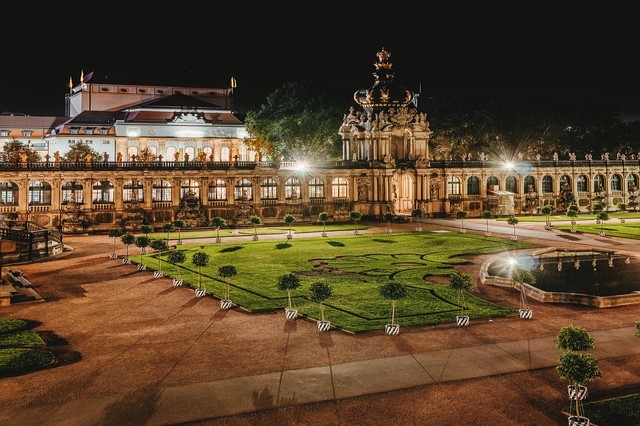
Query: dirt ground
[98,311]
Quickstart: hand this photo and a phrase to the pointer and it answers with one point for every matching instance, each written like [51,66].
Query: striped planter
[578,421]
[578,393]
[142,267]
[388,230]
[514,238]
[255,238]
[218,240]
[126,261]
[526,313]
[418,229]
[289,236]
[113,256]
[463,231]
[487,234]
[158,274]
[324,234]
[177,282]
[324,325]
[143,250]
[392,329]
[225,304]
[200,292]
[462,320]
[290,313]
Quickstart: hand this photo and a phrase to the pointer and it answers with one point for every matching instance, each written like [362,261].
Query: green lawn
[19,347]
[614,412]
[580,218]
[354,266]
[612,228]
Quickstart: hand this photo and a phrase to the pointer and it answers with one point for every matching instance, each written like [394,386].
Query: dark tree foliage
[15,150]
[79,150]
[300,121]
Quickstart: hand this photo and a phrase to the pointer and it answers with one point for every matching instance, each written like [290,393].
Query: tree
[461,283]
[388,217]
[487,215]
[179,224]
[574,364]
[200,259]
[15,150]
[393,291]
[127,239]
[255,220]
[168,227]
[324,216]
[159,245]
[115,233]
[299,121]
[289,219]
[355,216]
[79,151]
[288,282]
[320,292]
[572,212]
[513,221]
[602,217]
[417,214]
[227,272]
[461,214]
[177,257]
[547,210]
[597,207]
[146,229]
[218,222]
[142,242]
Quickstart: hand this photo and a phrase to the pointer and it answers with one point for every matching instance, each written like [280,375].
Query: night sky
[439,50]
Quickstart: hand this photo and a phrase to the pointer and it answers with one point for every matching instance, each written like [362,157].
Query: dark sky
[438,49]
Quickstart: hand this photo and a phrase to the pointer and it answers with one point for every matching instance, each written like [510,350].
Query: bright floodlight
[509,165]
[301,166]
[513,261]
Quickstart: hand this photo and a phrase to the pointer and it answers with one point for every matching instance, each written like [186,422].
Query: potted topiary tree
[218,222]
[547,210]
[177,257]
[393,291]
[487,215]
[289,282]
[578,367]
[461,283]
[168,228]
[572,212]
[200,259]
[159,245]
[596,208]
[388,217]
[114,233]
[622,208]
[324,216]
[255,220]
[179,224]
[127,239]
[355,216]
[289,219]
[320,292]
[142,242]
[226,272]
[461,214]
[521,277]
[602,218]
[513,221]
[146,230]
[417,214]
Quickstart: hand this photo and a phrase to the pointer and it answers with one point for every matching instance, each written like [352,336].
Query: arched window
[39,193]
[131,151]
[616,183]
[530,184]
[133,191]
[243,190]
[171,153]
[473,185]
[547,184]
[72,192]
[269,189]
[8,193]
[161,191]
[190,185]
[218,190]
[511,184]
[453,185]
[102,192]
[339,188]
[632,183]
[582,183]
[207,152]
[493,183]
[225,154]
[243,152]
[598,183]
[292,189]
[191,152]
[316,188]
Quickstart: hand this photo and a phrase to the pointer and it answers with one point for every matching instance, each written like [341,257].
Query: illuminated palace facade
[169,153]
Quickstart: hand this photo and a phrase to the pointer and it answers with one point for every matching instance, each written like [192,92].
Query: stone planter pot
[177,282]
[392,329]
[578,421]
[462,320]
[225,304]
[526,313]
[290,313]
[324,325]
